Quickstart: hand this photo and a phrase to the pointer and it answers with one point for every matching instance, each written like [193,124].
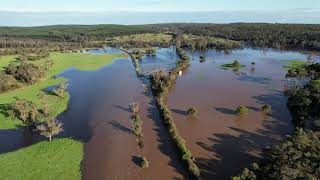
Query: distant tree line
[301,36]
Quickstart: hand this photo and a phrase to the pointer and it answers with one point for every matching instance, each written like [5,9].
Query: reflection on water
[165,58]
[222,142]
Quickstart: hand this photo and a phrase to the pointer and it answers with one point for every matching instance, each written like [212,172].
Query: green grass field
[59,159]
[293,64]
[146,38]
[61,62]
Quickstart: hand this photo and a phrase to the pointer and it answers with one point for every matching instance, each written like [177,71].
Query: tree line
[301,36]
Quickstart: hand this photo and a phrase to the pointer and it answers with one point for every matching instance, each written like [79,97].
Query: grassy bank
[59,159]
[292,64]
[61,63]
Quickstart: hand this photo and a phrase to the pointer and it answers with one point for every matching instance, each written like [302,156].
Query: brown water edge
[99,113]
[222,142]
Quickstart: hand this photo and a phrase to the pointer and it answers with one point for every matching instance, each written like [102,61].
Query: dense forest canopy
[57,37]
[301,36]
[72,32]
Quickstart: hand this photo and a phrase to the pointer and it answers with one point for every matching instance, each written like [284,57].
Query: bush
[60,90]
[192,111]
[253,63]
[242,110]
[24,110]
[144,163]
[266,108]
[7,82]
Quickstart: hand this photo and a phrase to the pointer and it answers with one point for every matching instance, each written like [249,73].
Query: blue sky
[156,5]
[48,12]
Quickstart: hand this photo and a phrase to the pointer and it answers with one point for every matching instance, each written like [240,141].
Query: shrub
[236,63]
[266,108]
[24,110]
[60,90]
[242,110]
[7,82]
[253,63]
[192,111]
[144,163]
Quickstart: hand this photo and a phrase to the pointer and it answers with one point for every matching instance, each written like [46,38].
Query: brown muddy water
[222,142]
[98,114]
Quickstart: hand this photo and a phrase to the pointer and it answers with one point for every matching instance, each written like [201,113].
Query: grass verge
[61,63]
[59,159]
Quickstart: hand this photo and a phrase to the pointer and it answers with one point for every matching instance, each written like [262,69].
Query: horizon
[27,19]
[126,12]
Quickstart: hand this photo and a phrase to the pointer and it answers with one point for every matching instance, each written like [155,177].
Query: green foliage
[160,83]
[59,159]
[242,110]
[57,105]
[205,42]
[50,128]
[235,65]
[302,36]
[304,101]
[142,41]
[24,110]
[298,157]
[60,90]
[192,111]
[144,163]
[266,108]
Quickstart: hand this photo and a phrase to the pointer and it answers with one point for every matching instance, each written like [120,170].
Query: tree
[242,110]
[134,108]
[298,157]
[266,108]
[50,128]
[60,90]
[144,162]
[192,111]
[44,104]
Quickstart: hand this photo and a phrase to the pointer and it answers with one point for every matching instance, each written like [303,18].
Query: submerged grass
[61,63]
[59,159]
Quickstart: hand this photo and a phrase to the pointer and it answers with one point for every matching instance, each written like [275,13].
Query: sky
[44,12]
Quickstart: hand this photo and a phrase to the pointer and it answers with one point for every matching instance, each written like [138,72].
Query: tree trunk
[50,138]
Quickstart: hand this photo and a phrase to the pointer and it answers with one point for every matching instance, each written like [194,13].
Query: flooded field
[223,142]
[165,58]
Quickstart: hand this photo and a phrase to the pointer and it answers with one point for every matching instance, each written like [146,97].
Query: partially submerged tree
[144,162]
[192,111]
[266,108]
[50,128]
[242,110]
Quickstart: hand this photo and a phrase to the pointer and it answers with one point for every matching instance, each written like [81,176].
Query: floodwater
[99,114]
[165,58]
[222,142]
